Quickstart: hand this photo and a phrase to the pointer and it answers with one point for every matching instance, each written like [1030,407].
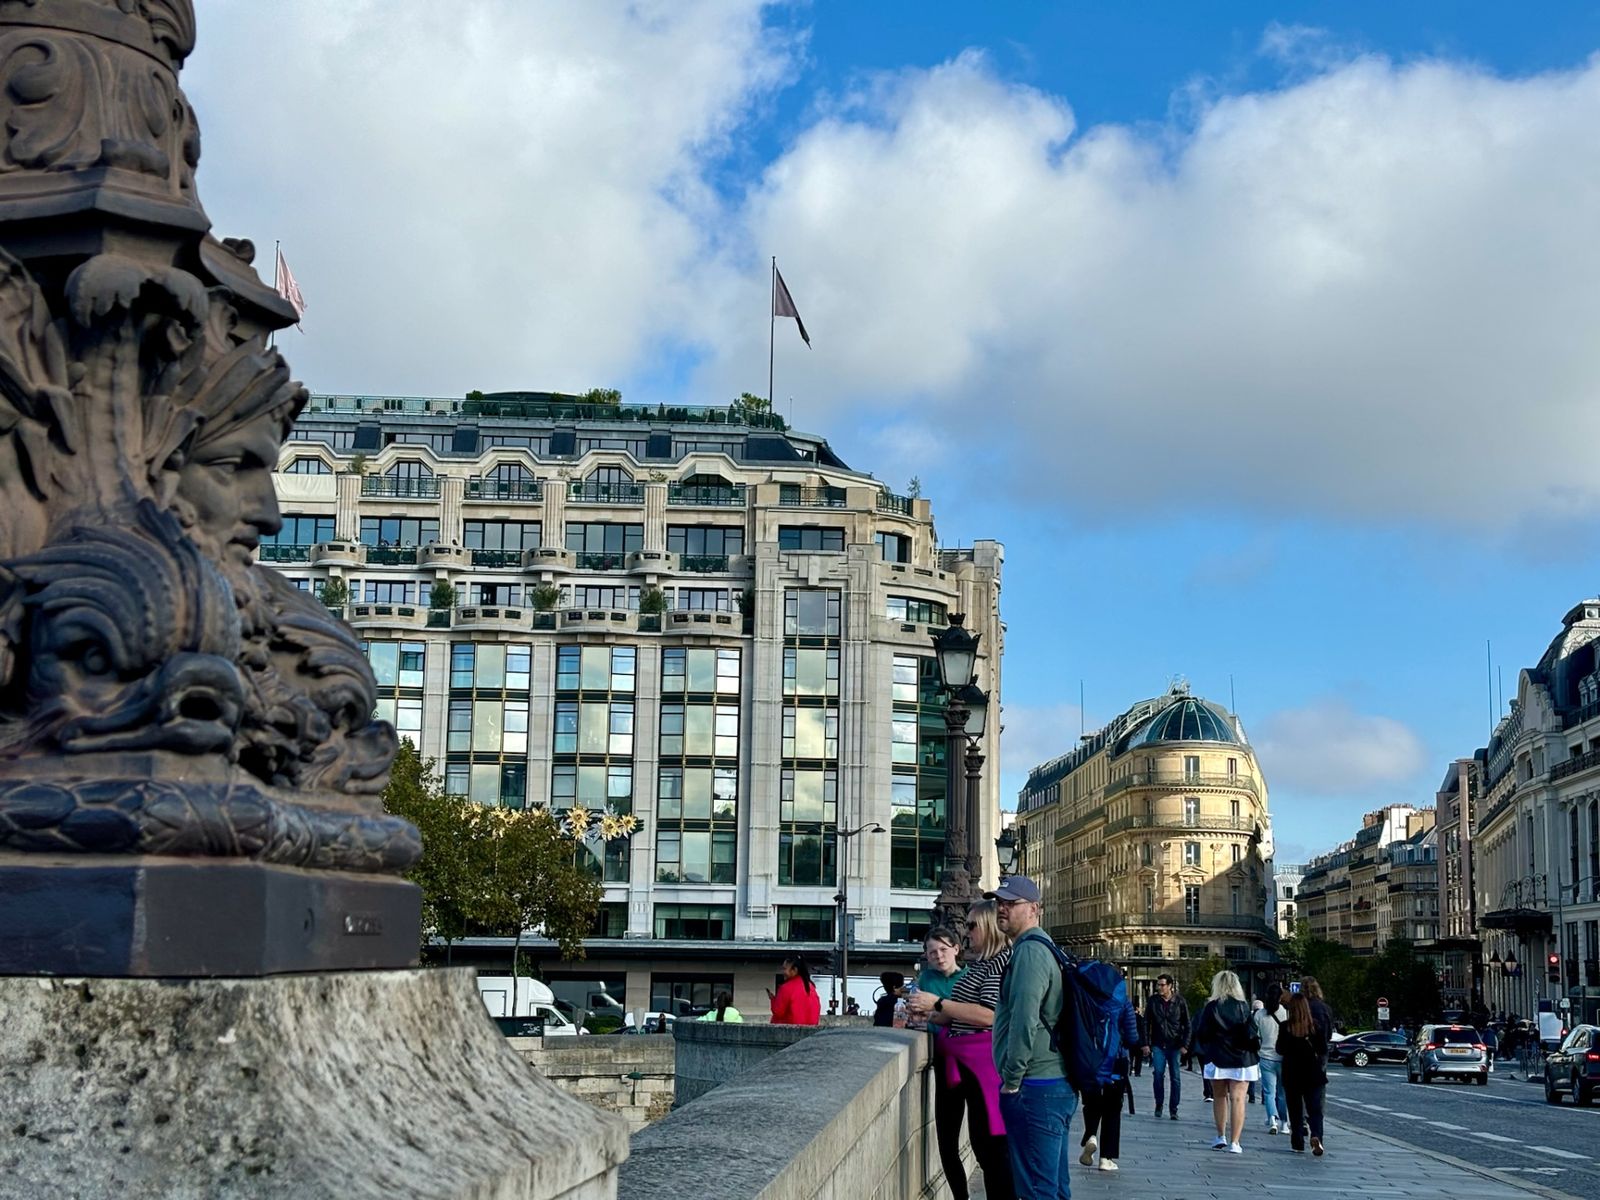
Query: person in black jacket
[893,985]
[1227,1041]
[1167,1036]
[1305,1054]
[1320,1012]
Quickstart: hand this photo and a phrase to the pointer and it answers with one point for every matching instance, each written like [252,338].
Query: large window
[378,591]
[596,668]
[486,735]
[696,541]
[689,995]
[695,922]
[917,783]
[909,924]
[810,671]
[809,537]
[807,815]
[923,612]
[806,923]
[697,801]
[399,531]
[301,530]
[603,537]
[618,597]
[399,668]
[500,535]
[701,670]
[689,599]
[894,547]
[593,743]
[812,612]
[308,466]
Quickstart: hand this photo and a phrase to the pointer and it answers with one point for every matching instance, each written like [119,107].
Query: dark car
[1574,1067]
[1363,1049]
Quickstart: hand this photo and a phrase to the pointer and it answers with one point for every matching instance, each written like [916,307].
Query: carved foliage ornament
[160,692]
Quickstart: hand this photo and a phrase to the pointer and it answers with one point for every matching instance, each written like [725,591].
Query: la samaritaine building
[1153,843]
[785,690]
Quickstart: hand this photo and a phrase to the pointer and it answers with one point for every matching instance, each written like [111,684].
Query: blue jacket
[1127,1026]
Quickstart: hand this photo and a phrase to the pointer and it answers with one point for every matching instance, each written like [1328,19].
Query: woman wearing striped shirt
[965,1057]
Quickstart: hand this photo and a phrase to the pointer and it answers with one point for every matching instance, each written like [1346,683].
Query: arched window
[609,475]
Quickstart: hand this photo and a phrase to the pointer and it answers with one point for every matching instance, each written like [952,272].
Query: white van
[509,999]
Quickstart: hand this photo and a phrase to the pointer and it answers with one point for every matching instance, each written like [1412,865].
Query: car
[654,1022]
[1446,1050]
[1363,1049]
[1573,1067]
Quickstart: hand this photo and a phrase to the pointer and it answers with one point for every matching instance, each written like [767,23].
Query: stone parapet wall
[631,1075]
[838,1114]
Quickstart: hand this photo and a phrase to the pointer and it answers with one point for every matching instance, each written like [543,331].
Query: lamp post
[843,901]
[1005,849]
[965,715]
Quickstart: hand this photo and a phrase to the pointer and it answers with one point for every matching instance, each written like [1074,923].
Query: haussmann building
[694,615]
[1152,843]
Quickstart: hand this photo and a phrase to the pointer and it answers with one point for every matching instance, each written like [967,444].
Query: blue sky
[1263,335]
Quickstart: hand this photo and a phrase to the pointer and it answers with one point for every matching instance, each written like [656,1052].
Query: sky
[1263,335]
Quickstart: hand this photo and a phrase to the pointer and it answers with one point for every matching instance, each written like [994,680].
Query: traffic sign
[1383,1012]
[1565,1004]
[1383,1002]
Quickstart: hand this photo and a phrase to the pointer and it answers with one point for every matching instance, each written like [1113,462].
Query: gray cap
[1015,887]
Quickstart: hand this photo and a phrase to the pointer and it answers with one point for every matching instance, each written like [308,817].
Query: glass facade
[592,746]
[400,668]
[918,783]
[809,783]
[486,732]
[697,784]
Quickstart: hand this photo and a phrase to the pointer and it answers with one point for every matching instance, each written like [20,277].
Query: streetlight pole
[843,901]
[966,711]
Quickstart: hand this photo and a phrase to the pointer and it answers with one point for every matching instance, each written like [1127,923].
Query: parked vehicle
[520,1006]
[1447,1050]
[1363,1049]
[654,1022]
[588,1002]
[1573,1067]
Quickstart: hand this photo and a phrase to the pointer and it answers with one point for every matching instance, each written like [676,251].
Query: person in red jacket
[796,1001]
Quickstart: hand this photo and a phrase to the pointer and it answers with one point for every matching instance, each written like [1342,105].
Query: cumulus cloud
[1031,735]
[1329,749]
[1366,293]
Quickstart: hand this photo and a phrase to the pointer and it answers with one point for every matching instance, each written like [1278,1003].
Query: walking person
[1102,1105]
[796,1001]
[964,1056]
[1269,1020]
[1227,1041]
[1167,1020]
[1304,1051]
[1035,1101]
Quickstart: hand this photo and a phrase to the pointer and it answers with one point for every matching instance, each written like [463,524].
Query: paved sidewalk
[1168,1158]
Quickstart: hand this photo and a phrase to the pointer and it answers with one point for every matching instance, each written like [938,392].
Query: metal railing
[600,562]
[584,492]
[425,488]
[497,558]
[1187,921]
[791,495]
[1573,765]
[1177,781]
[494,489]
[284,553]
[438,618]
[1229,824]
[391,556]
[889,502]
[682,494]
[703,564]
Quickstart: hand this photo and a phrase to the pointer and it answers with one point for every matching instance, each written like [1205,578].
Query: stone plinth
[356,1085]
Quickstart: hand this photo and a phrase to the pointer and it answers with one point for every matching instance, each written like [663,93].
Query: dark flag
[783,304]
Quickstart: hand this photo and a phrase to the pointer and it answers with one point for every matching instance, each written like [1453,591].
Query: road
[1507,1125]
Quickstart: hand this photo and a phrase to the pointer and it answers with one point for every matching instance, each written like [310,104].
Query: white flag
[289,289]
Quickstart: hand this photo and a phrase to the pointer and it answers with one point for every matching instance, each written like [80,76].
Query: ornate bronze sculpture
[173,716]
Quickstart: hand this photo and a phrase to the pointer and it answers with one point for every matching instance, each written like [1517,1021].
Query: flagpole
[277,257]
[772,325]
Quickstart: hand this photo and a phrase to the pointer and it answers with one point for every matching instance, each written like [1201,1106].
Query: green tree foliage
[335,593]
[1352,984]
[653,600]
[750,405]
[495,870]
[607,396]
[1194,981]
[442,595]
[545,597]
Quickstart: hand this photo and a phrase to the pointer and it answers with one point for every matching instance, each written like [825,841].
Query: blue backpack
[1088,1034]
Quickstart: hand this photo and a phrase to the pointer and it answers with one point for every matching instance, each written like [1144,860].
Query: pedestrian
[796,1001]
[1035,1101]
[937,979]
[1138,1059]
[1304,1050]
[724,1011]
[833,1007]
[1320,1012]
[941,951]
[1269,1019]
[1491,1043]
[1167,1020]
[852,1007]
[1228,1044]
[894,984]
[963,1026]
[1102,1105]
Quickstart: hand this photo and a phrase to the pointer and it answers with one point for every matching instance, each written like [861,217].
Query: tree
[441,595]
[653,600]
[607,396]
[530,880]
[545,597]
[446,872]
[914,488]
[1194,981]
[335,593]
[750,405]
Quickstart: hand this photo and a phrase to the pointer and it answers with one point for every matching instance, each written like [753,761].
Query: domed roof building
[1152,843]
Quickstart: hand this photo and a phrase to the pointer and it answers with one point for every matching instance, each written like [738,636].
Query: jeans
[1272,1093]
[1037,1117]
[1164,1062]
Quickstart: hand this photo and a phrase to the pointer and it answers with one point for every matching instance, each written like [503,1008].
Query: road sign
[1565,1004]
[1383,1012]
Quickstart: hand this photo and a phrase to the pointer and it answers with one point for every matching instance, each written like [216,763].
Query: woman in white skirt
[1228,1042]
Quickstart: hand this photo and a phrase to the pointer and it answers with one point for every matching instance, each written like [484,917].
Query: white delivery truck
[521,1005]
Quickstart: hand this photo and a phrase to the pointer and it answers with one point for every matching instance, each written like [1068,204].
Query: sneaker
[1174,1114]
[1272,1128]
[1316,1147]
[1235,1148]
[1157,1114]
[1208,1099]
[1221,1143]
[1089,1147]
[1108,1164]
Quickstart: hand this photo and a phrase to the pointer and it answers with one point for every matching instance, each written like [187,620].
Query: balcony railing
[1227,824]
[391,556]
[601,562]
[791,495]
[605,493]
[704,564]
[1573,765]
[425,488]
[438,618]
[1178,781]
[525,491]
[1186,921]
[889,502]
[681,494]
[282,553]
[497,558]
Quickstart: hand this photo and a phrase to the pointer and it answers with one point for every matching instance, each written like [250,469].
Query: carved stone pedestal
[348,1086]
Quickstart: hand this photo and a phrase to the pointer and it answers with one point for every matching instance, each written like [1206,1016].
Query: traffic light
[1553,962]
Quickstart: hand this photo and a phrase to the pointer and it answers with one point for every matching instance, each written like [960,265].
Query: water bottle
[903,1008]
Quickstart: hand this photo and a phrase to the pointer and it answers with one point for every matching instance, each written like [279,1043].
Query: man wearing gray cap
[1036,1102]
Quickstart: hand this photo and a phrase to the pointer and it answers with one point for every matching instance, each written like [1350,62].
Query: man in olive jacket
[1036,1102]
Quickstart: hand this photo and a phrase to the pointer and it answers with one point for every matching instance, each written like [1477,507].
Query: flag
[286,287]
[783,303]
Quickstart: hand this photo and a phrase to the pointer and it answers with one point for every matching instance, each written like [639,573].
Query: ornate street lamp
[1005,848]
[966,715]
[956,650]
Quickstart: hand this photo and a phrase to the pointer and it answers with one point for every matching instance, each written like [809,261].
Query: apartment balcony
[501,560]
[386,614]
[481,616]
[680,495]
[1178,823]
[597,618]
[549,558]
[272,552]
[425,488]
[583,492]
[435,554]
[791,495]
[891,503]
[391,556]
[586,561]
[703,622]
[703,564]
[1228,921]
[515,492]
[1572,766]
[1178,781]
[651,562]
[338,554]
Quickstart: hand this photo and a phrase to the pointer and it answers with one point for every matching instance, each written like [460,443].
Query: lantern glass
[977,702]
[957,653]
[1006,849]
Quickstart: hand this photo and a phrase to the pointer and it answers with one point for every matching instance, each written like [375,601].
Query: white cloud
[1031,735]
[1329,749]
